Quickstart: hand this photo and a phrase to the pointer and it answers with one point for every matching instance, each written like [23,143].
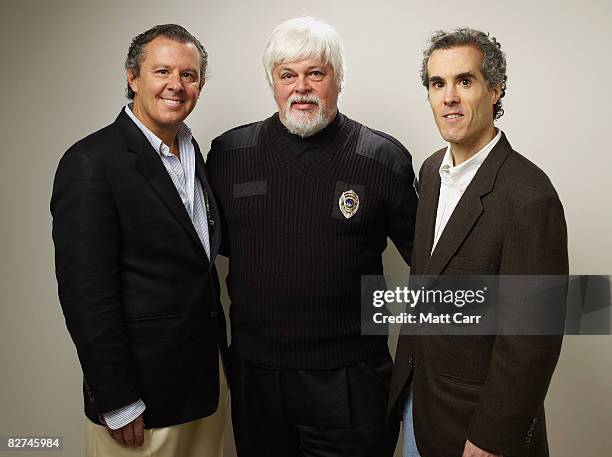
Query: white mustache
[309,98]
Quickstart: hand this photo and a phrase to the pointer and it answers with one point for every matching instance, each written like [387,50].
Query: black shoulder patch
[384,149]
[241,137]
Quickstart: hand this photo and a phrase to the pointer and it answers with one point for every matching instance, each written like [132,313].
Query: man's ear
[497,91]
[132,80]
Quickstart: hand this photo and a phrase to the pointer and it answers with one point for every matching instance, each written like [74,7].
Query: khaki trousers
[199,438]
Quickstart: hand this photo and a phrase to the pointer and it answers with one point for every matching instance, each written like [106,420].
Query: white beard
[304,123]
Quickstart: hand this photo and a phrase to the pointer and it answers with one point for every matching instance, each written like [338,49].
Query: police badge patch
[349,203]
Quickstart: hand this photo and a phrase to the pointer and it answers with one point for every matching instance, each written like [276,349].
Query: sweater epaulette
[384,149]
[241,137]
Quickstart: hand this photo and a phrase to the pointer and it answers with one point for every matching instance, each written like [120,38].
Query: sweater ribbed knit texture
[295,261]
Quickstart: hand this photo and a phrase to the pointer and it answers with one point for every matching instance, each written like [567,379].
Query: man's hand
[130,435]
[471,450]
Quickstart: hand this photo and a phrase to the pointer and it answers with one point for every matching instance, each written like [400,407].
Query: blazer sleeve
[86,235]
[521,367]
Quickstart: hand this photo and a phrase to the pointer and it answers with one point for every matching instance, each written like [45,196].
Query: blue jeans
[410,449]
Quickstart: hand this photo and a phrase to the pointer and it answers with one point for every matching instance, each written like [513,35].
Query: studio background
[62,78]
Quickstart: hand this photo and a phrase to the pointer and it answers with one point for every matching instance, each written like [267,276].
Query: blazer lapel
[150,165]
[468,210]
[214,218]
[429,193]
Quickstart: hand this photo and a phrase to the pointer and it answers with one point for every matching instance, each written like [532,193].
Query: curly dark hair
[174,32]
[493,64]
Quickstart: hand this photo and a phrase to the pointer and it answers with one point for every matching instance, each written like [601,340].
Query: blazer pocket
[153,327]
[152,320]
[463,392]
[468,265]
[460,380]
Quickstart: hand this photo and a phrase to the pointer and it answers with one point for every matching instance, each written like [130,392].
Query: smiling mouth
[172,101]
[452,116]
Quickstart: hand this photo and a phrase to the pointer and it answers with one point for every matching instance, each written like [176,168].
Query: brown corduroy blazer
[488,389]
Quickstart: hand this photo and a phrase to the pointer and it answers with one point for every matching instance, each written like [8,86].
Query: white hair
[304,38]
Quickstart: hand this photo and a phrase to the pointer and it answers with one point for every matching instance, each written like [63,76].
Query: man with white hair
[308,198]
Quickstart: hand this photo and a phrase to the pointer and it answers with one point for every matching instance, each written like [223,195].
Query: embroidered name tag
[248,189]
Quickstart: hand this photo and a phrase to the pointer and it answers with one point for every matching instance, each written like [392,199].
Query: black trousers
[313,413]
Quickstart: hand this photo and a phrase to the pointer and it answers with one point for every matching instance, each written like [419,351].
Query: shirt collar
[184,133]
[465,171]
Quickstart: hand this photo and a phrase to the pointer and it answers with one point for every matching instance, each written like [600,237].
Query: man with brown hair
[135,233]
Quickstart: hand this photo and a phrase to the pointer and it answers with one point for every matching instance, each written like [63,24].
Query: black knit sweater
[295,260]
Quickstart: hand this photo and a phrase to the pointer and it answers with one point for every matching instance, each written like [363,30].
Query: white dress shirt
[453,182]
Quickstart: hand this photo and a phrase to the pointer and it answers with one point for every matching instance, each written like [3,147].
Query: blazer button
[214,314]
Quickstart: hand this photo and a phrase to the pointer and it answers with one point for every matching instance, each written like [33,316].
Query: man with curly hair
[484,209]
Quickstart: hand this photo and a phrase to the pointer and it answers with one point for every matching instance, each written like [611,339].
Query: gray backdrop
[62,78]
